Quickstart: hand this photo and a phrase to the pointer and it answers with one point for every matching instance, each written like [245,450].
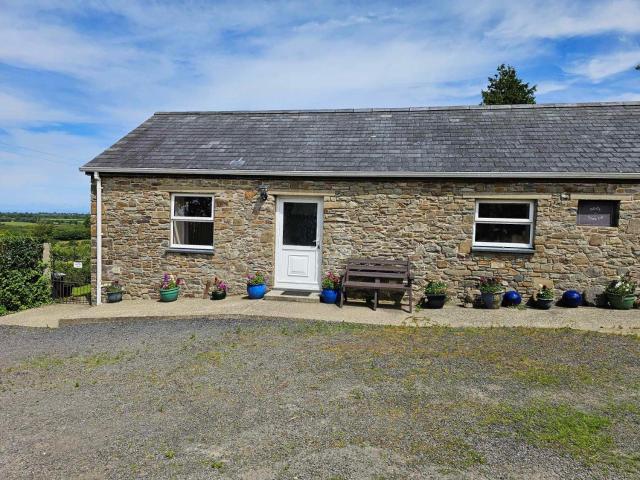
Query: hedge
[17,253]
[22,281]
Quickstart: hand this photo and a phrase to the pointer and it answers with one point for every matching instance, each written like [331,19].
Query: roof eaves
[365,174]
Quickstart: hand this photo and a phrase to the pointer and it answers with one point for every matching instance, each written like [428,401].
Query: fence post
[46,258]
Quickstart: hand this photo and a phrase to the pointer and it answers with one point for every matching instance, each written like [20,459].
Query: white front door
[298,243]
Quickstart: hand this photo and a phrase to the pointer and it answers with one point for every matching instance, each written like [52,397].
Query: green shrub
[22,281]
[70,232]
[3,310]
[19,252]
[25,288]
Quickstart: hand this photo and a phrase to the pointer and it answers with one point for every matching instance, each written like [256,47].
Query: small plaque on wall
[599,213]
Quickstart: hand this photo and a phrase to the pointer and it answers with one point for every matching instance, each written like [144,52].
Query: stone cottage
[525,192]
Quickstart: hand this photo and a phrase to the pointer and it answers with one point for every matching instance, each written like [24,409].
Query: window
[192,221]
[504,224]
[600,213]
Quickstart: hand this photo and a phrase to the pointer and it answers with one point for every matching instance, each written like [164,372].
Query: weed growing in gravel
[43,361]
[101,359]
[450,451]
[583,435]
[212,356]
[216,464]
[169,454]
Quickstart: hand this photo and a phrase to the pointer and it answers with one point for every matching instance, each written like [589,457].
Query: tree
[43,231]
[505,88]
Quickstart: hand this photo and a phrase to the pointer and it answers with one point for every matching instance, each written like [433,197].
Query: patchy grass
[311,399]
[44,362]
[452,452]
[102,359]
[210,356]
[583,435]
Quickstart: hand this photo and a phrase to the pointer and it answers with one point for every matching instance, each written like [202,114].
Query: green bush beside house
[23,283]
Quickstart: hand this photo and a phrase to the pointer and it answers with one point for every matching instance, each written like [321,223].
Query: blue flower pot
[512,299]
[256,292]
[329,296]
[571,299]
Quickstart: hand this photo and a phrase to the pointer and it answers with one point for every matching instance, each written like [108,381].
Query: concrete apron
[584,318]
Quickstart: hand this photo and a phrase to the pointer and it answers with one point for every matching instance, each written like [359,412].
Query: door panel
[298,243]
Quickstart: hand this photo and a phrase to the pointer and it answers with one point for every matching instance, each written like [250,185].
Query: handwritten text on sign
[597,212]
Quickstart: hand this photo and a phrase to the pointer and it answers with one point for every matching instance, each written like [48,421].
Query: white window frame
[500,221]
[176,218]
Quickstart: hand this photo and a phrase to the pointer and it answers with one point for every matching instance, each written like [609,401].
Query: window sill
[200,251]
[526,251]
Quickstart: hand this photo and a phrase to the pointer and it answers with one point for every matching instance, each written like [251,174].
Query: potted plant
[170,288]
[256,285]
[219,289]
[491,291]
[545,298]
[330,288]
[436,294]
[114,292]
[621,293]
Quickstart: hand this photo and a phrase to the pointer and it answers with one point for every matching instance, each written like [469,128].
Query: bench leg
[342,297]
[375,299]
[410,300]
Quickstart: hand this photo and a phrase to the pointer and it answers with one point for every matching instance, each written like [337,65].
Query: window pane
[193,233]
[503,233]
[192,207]
[299,224]
[504,210]
[603,213]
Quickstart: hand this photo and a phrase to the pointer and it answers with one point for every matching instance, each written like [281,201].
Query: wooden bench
[377,274]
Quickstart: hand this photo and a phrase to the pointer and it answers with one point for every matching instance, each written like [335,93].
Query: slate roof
[590,140]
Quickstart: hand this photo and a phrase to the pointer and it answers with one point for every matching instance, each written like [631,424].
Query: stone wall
[431,222]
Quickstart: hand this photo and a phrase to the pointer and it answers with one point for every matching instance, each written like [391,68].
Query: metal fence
[63,291]
[70,275]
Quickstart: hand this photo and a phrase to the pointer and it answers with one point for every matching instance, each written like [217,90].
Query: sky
[77,75]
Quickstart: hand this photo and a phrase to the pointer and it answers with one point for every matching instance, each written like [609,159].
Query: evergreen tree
[505,88]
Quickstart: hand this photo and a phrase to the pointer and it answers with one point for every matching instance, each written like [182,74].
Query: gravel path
[291,399]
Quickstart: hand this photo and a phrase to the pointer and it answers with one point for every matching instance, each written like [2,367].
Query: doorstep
[299,296]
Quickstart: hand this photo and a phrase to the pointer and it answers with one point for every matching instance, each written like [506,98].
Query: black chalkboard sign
[600,213]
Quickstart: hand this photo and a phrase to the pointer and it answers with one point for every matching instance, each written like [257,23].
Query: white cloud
[117,61]
[555,19]
[19,111]
[600,67]
[40,170]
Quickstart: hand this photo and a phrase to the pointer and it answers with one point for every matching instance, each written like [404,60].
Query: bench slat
[380,261]
[377,274]
[379,286]
[373,268]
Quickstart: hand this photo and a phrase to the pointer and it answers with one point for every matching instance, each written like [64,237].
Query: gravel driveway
[291,399]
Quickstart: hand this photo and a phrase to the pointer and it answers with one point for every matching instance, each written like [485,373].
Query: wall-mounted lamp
[263,189]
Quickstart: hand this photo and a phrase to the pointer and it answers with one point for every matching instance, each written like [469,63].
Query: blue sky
[76,75]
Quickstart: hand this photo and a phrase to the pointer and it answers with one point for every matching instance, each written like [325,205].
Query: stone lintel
[508,196]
